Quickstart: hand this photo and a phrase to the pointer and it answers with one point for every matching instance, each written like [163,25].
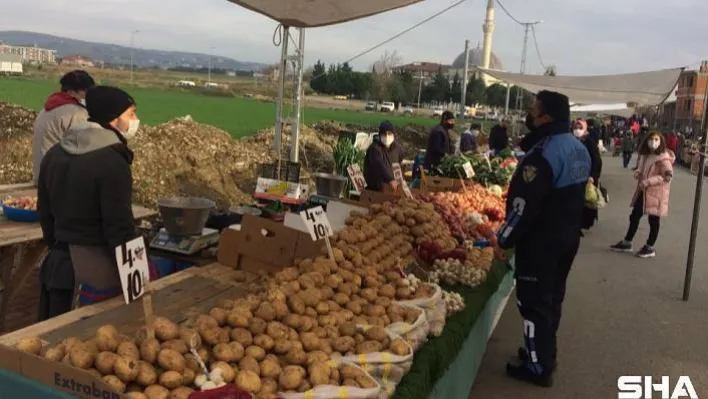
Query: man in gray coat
[61,111]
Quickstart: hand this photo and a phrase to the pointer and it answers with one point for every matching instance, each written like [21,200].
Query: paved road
[622,315]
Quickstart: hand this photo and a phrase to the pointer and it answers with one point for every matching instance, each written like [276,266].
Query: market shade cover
[642,88]
[620,109]
[313,13]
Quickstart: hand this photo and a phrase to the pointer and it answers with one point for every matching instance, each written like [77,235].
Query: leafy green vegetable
[345,154]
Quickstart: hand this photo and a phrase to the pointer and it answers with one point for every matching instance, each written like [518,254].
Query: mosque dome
[475,58]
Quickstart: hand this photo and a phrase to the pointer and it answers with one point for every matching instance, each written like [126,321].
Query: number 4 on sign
[318,225]
[134,272]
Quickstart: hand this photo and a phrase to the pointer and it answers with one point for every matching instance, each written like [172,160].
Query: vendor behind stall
[380,156]
[84,194]
[439,142]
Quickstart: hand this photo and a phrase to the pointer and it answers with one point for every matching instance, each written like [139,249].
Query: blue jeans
[626,158]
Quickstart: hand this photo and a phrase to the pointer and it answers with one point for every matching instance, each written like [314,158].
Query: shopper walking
[544,208]
[627,149]
[580,130]
[651,197]
[85,190]
[499,137]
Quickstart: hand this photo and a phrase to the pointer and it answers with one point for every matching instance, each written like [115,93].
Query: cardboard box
[56,375]
[264,245]
[436,184]
[279,188]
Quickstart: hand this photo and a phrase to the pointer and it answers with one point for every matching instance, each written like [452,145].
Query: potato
[114,383]
[269,387]
[227,372]
[165,329]
[239,317]
[191,337]
[242,336]
[265,311]
[156,391]
[319,373]
[170,359]
[205,321]
[350,382]
[249,363]
[95,373]
[146,374]
[56,353]
[191,363]
[264,341]
[188,376]
[343,344]
[310,341]
[306,323]
[365,382]
[107,337]
[257,326]
[296,356]
[376,333]
[105,361]
[291,377]
[224,352]
[256,352]
[270,367]
[248,381]
[129,350]
[282,347]
[220,315]
[149,349]
[125,368]
[181,393]
[347,329]
[177,344]
[276,330]
[348,371]
[171,379]
[368,347]
[31,345]
[399,347]
[82,356]
[69,343]
[134,395]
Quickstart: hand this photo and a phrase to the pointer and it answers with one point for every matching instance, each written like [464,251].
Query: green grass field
[239,116]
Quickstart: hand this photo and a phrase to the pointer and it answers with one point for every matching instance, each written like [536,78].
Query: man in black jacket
[85,189]
[498,137]
[439,142]
[380,156]
[543,213]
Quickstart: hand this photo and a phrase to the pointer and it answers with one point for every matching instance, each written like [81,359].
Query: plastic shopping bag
[591,196]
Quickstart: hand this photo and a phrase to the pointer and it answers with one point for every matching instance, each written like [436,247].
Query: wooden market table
[21,248]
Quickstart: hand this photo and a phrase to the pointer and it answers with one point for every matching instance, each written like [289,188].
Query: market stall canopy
[620,109]
[641,88]
[313,13]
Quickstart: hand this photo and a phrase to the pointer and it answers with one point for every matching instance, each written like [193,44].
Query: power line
[535,42]
[399,34]
[508,14]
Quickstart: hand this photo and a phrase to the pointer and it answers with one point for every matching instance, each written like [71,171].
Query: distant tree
[550,70]
[495,95]
[456,88]
[318,81]
[475,90]
[526,99]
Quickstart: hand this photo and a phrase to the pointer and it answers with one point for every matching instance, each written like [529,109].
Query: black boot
[522,372]
[524,357]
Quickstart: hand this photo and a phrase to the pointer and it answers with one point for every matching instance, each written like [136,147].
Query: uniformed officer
[544,208]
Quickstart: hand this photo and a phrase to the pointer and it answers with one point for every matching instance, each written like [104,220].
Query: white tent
[641,88]
[620,109]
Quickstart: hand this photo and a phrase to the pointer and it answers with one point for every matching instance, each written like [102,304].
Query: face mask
[578,133]
[449,125]
[653,144]
[388,140]
[475,133]
[132,129]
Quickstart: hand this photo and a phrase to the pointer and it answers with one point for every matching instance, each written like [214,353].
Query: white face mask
[82,102]
[578,133]
[475,133]
[132,129]
[653,144]
[388,140]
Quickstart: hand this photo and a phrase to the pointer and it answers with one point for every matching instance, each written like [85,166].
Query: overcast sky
[580,37]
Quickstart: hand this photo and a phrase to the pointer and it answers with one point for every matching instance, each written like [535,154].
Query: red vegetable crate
[225,392]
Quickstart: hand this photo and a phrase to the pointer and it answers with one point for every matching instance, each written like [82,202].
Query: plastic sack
[434,308]
[590,194]
[415,334]
[226,392]
[337,392]
[386,368]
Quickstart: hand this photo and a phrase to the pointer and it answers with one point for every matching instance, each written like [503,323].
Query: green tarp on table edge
[433,359]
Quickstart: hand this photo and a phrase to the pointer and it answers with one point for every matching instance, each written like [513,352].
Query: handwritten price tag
[317,223]
[133,269]
[357,177]
[468,169]
[397,172]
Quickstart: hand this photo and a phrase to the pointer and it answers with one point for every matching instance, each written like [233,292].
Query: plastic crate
[289,171]
[19,214]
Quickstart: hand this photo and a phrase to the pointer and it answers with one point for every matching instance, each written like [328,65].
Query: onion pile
[453,302]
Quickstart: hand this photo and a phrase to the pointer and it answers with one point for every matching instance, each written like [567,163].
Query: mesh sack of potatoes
[384,355]
[352,378]
[415,333]
[433,305]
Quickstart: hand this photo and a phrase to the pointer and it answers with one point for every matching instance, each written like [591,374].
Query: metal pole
[508,95]
[697,199]
[295,138]
[211,54]
[420,84]
[281,88]
[463,100]
[132,44]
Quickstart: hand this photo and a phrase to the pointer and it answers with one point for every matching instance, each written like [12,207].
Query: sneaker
[646,252]
[524,357]
[622,246]
[522,372]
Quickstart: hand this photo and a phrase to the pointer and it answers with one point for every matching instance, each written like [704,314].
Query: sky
[579,37]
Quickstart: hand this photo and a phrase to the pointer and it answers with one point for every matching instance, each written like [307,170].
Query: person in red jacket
[672,143]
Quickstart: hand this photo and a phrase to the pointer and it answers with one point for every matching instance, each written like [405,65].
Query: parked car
[438,111]
[408,109]
[387,106]
[370,106]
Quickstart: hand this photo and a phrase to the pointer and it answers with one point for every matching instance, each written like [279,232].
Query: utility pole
[299,70]
[420,84]
[519,92]
[132,45]
[211,55]
[464,80]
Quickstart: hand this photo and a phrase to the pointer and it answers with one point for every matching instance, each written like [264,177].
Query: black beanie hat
[555,105]
[447,115]
[76,80]
[106,103]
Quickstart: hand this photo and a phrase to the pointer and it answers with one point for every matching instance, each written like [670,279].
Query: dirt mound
[16,127]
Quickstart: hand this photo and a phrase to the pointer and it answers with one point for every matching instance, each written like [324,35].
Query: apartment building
[30,54]
[691,97]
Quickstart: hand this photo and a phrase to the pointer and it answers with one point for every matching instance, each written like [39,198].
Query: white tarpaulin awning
[642,88]
[620,109]
[313,13]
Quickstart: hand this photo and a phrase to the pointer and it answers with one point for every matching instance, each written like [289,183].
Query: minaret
[488,29]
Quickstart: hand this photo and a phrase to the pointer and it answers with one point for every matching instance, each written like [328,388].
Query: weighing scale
[185,245]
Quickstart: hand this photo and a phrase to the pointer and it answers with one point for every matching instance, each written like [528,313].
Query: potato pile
[480,258]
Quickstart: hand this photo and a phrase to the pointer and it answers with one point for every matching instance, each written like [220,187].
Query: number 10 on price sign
[134,272]
[318,225]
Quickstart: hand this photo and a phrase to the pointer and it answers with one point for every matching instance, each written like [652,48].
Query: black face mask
[449,125]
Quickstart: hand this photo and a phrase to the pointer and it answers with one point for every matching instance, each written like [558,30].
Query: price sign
[397,172]
[133,268]
[317,223]
[357,177]
[406,190]
[467,168]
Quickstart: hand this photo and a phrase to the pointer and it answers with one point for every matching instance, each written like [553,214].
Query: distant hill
[120,55]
